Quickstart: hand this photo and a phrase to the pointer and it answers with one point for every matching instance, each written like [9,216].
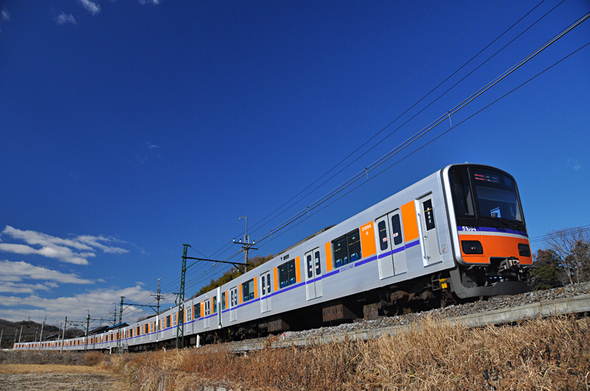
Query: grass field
[541,354]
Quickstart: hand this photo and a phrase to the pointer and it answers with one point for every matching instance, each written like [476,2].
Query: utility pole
[41,336]
[1,334]
[246,245]
[158,296]
[87,327]
[63,336]
[120,323]
[180,323]
[21,334]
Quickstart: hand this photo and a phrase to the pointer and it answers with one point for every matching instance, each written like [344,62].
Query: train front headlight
[472,247]
[524,250]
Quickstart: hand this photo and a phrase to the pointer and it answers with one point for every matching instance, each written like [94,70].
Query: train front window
[485,197]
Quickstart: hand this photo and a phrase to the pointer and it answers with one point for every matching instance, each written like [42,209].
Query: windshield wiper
[517,225]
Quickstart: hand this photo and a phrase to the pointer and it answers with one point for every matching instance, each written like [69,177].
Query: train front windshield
[485,197]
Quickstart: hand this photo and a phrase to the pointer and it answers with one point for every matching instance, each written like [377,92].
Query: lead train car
[457,234]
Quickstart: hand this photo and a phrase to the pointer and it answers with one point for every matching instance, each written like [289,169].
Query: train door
[265,290]
[313,274]
[219,307]
[206,319]
[390,251]
[233,303]
[427,231]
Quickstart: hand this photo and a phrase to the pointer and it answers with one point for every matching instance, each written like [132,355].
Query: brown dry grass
[542,354]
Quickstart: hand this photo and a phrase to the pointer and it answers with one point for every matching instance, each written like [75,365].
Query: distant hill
[31,331]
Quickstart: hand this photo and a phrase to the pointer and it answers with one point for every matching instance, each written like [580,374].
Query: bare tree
[572,246]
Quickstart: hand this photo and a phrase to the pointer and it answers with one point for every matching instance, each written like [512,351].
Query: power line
[407,110]
[567,231]
[435,123]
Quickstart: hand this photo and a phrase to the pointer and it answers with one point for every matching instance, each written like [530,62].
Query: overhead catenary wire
[412,106]
[444,133]
[428,128]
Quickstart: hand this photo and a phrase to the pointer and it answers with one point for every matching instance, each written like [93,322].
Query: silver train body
[456,234]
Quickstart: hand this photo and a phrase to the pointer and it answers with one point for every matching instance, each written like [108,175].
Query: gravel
[451,311]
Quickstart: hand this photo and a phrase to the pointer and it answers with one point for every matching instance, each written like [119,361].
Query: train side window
[214,304]
[347,248]
[318,264]
[223,301]
[189,313]
[168,321]
[353,240]
[397,229]
[287,274]
[428,214]
[340,253]
[461,190]
[383,240]
[309,266]
[248,290]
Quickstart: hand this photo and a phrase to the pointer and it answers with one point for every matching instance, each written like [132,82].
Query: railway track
[366,330]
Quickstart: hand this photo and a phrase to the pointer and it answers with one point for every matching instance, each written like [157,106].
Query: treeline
[30,331]
[564,260]
[233,273]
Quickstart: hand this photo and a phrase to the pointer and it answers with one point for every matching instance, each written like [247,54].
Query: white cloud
[5,15]
[65,18]
[154,2]
[90,6]
[17,271]
[58,248]
[13,287]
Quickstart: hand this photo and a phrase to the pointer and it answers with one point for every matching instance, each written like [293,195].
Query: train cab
[490,240]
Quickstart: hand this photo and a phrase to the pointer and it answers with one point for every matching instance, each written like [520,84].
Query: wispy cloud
[65,18]
[90,6]
[58,248]
[15,287]
[574,163]
[19,271]
[154,2]
[5,15]
[14,278]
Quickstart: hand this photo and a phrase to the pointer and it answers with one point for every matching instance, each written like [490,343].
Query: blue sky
[130,127]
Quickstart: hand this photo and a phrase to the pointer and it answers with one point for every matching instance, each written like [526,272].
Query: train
[459,234]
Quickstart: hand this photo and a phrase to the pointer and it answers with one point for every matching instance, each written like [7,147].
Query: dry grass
[35,371]
[33,368]
[542,354]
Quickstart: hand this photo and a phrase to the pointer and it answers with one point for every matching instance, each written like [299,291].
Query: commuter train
[455,235]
